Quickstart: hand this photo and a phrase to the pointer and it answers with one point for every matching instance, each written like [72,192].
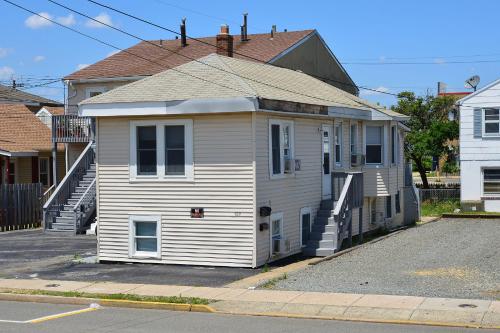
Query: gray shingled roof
[9,95]
[216,76]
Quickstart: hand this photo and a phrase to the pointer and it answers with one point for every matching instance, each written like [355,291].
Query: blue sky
[370,31]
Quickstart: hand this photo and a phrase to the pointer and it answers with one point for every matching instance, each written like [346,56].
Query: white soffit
[191,106]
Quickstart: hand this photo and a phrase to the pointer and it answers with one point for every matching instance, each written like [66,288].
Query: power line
[214,45]
[421,63]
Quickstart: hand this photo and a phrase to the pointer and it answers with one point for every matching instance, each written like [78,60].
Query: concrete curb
[105,302]
[384,321]
[471,216]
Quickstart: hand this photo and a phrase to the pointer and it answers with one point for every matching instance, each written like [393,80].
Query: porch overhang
[18,154]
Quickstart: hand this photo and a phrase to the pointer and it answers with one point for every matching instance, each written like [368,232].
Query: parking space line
[61,315]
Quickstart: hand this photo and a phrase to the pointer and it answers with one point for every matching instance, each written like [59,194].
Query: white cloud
[375,91]
[103,17]
[67,20]
[4,52]
[82,66]
[38,58]
[440,61]
[112,53]
[36,22]
[6,73]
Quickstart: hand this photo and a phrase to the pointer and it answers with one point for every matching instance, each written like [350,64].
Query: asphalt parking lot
[456,258]
[34,254]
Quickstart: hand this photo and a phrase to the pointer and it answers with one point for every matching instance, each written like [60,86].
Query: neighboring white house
[480,149]
[227,162]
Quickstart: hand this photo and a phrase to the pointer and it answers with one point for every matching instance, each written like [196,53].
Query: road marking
[51,317]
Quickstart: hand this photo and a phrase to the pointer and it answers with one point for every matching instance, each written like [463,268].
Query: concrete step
[61,232]
[316,244]
[324,228]
[62,226]
[319,252]
[65,219]
[322,236]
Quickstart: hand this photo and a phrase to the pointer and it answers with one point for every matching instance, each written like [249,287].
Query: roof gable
[481,91]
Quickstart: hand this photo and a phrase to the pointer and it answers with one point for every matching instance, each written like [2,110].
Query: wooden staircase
[333,221]
[71,207]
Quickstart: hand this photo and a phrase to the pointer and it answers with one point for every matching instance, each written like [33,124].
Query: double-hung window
[338,145]
[145,236]
[354,138]
[491,182]
[94,91]
[161,150]
[281,147]
[491,122]
[374,144]
[394,145]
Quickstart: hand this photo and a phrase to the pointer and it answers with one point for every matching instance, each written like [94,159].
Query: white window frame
[275,216]
[394,144]
[305,211]
[484,121]
[482,183]
[48,169]
[132,246]
[338,132]
[353,138]
[160,150]
[383,143]
[90,90]
[291,139]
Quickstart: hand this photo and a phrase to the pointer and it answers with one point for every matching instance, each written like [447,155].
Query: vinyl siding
[223,186]
[477,153]
[24,167]
[290,194]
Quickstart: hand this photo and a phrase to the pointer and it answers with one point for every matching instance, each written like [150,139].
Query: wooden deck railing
[72,128]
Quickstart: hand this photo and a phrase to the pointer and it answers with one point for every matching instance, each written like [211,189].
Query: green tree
[430,128]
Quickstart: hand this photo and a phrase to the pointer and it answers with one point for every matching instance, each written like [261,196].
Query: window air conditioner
[357,160]
[289,165]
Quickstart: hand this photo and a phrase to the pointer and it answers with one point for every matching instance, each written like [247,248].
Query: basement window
[145,236]
[491,182]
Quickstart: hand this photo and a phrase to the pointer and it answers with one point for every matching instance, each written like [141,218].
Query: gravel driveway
[457,258]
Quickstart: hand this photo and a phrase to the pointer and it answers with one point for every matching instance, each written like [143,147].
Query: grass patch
[128,297]
[439,208]
[272,282]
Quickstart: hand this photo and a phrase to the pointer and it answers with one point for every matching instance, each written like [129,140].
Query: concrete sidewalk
[356,307]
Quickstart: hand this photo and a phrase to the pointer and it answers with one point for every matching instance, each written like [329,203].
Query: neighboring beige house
[25,147]
[229,162]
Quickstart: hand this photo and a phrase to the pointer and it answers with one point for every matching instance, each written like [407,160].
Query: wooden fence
[20,206]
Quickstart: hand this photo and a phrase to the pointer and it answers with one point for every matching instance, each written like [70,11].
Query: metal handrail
[47,194]
[68,184]
[86,201]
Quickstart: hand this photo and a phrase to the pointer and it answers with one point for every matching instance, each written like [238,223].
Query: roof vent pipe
[244,28]
[183,33]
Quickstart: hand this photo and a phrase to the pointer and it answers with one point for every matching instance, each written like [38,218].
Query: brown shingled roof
[9,95]
[22,131]
[259,46]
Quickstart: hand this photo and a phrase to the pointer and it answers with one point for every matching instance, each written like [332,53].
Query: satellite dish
[472,82]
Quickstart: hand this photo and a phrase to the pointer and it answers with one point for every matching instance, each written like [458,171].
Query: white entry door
[326,148]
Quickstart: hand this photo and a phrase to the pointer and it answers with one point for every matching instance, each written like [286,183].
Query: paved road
[34,254]
[457,258]
[138,321]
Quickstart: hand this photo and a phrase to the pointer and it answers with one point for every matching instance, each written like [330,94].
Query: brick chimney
[224,42]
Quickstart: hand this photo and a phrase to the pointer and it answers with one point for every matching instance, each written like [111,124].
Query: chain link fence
[439,194]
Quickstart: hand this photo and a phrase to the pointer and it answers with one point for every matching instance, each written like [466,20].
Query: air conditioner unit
[289,165]
[357,160]
[278,246]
